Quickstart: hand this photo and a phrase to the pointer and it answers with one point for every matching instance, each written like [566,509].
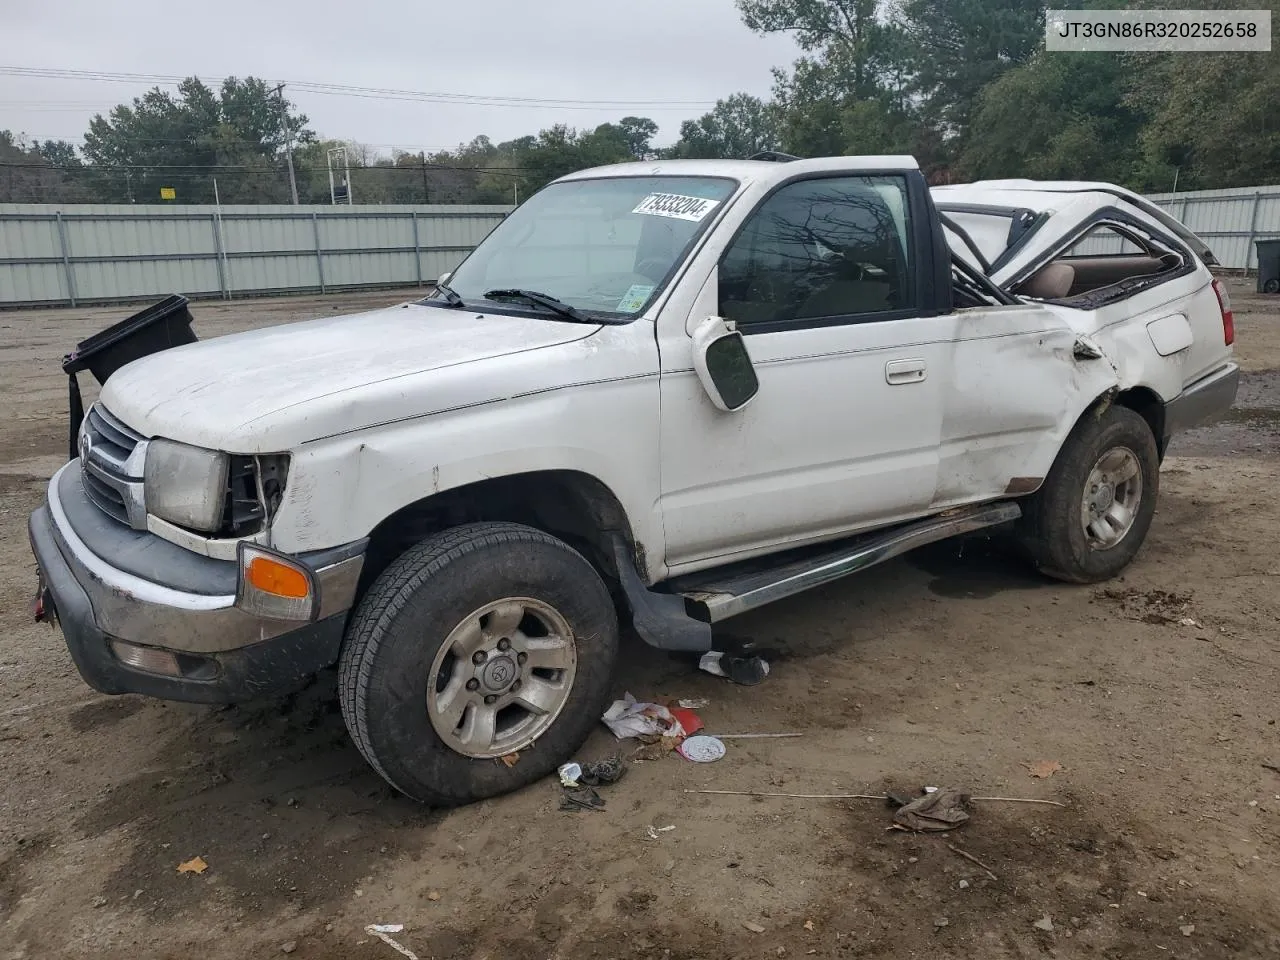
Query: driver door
[825,282]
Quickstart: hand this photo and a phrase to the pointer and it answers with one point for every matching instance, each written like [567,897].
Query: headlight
[186,485]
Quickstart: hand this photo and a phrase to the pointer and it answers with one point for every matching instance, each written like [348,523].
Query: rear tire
[1091,516]
[481,641]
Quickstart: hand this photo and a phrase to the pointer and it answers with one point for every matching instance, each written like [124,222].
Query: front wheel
[1091,516]
[484,642]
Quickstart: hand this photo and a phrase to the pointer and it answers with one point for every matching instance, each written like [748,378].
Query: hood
[212,392]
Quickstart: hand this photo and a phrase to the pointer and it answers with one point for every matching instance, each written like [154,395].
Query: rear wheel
[1092,515]
[482,642]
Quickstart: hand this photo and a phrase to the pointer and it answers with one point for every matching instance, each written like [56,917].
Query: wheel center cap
[1104,497]
[498,673]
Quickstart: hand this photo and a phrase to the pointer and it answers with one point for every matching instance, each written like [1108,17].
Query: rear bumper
[1206,399]
[223,654]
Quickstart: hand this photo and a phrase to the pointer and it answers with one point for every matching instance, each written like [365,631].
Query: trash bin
[1268,265]
[160,326]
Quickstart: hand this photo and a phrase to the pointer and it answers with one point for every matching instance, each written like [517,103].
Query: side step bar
[720,596]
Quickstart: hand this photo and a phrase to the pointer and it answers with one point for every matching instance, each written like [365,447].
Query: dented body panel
[857,425]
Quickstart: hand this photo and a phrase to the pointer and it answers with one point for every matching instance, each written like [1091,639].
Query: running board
[717,595]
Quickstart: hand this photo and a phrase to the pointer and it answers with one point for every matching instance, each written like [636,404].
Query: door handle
[905,371]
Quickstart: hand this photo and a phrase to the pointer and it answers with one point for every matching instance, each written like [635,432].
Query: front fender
[341,488]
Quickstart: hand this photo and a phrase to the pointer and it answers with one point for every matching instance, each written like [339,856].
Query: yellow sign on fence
[168,193]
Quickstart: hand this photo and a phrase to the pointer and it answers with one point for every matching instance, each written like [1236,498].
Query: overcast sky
[684,54]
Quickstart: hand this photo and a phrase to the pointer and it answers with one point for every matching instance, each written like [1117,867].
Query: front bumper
[224,654]
[1206,399]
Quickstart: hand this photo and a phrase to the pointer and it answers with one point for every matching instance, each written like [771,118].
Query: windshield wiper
[450,295]
[548,302]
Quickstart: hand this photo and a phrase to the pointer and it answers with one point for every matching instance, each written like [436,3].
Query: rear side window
[822,250]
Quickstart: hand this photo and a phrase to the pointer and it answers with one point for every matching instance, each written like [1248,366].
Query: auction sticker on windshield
[676,206]
[635,297]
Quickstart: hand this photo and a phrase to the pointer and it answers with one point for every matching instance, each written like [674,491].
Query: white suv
[659,392]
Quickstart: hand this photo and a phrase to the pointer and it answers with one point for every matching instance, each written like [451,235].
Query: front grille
[109,480]
[108,499]
[109,435]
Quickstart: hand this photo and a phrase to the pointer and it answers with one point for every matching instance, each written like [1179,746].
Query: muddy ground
[954,666]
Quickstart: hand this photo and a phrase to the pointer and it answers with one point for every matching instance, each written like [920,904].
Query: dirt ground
[952,667]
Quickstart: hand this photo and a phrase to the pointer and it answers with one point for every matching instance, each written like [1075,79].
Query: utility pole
[426,195]
[288,142]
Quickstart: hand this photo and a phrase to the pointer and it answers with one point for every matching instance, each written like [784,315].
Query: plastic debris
[651,832]
[1188,930]
[630,718]
[934,812]
[1045,923]
[702,749]
[689,721]
[581,798]
[608,770]
[694,703]
[194,865]
[570,774]
[383,930]
[746,670]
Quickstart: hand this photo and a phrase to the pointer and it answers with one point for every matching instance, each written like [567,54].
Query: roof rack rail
[773,156]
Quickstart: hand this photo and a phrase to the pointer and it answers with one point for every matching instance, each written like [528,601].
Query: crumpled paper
[630,718]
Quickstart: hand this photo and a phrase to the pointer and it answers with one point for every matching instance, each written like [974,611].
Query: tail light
[1228,321]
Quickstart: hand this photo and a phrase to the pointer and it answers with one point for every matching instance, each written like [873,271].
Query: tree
[1059,116]
[185,141]
[846,37]
[1214,126]
[638,132]
[561,150]
[954,48]
[36,172]
[737,127]
[850,93]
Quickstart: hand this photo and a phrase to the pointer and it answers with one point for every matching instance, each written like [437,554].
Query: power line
[376,93]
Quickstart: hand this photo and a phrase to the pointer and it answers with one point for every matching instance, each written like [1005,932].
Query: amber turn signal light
[271,576]
[275,586]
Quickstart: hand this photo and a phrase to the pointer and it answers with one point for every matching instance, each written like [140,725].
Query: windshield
[604,246]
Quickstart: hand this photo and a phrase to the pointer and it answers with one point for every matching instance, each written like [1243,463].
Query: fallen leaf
[753,927]
[194,865]
[510,759]
[808,925]
[1043,769]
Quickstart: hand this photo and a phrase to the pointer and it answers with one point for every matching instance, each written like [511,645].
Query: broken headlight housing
[222,494]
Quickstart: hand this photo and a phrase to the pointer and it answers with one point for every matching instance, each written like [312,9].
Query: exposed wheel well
[1147,404]
[573,506]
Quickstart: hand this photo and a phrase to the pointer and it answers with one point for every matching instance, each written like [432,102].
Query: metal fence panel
[1229,221]
[102,253]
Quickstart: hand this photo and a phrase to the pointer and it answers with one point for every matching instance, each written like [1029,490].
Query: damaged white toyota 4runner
[662,393]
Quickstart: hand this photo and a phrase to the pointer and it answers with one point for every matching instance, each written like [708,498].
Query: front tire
[1091,516]
[482,641]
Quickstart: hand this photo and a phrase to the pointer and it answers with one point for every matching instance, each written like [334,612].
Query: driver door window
[821,251]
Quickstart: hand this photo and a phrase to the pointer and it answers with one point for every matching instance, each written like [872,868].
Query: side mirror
[723,365]
[444,278]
